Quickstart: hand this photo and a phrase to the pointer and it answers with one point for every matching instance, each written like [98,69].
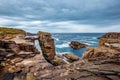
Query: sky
[61,16]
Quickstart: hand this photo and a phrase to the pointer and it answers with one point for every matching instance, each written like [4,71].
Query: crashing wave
[63,45]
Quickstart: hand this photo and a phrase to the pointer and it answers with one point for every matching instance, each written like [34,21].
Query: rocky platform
[22,61]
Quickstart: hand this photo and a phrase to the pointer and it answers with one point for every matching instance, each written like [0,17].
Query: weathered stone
[10,46]
[71,57]
[47,45]
[28,48]
[77,45]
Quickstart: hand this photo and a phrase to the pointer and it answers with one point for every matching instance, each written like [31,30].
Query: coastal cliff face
[48,48]
[47,45]
[20,60]
[110,40]
[109,46]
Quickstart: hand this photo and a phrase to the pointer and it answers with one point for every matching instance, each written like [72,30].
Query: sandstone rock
[89,53]
[10,46]
[26,54]
[99,52]
[109,38]
[97,64]
[16,60]
[47,45]
[30,76]
[77,45]
[113,35]
[71,57]
[58,61]
[28,48]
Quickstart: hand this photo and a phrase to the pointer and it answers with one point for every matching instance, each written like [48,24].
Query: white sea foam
[63,45]
[60,53]
[57,39]
[87,43]
[94,37]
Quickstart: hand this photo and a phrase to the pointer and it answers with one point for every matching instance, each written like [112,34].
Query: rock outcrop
[100,52]
[77,45]
[109,40]
[71,57]
[28,48]
[47,45]
[48,48]
[109,46]
[21,61]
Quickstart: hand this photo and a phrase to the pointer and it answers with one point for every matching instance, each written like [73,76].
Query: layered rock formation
[71,57]
[21,61]
[13,59]
[47,45]
[48,48]
[109,46]
[111,40]
[77,45]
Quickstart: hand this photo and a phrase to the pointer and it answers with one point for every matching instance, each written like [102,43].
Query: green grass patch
[8,33]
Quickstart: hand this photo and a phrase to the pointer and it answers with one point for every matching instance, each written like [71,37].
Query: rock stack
[48,48]
[77,45]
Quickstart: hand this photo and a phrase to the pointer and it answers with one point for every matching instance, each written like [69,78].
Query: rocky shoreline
[20,59]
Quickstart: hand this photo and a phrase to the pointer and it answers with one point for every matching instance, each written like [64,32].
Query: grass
[44,33]
[8,33]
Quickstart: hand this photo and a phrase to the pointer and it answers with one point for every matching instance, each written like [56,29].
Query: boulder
[71,57]
[77,45]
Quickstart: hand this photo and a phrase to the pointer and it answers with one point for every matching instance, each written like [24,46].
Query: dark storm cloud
[87,12]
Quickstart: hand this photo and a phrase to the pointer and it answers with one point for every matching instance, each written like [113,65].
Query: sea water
[62,41]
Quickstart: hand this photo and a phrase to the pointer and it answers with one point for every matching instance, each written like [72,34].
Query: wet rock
[77,45]
[71,57]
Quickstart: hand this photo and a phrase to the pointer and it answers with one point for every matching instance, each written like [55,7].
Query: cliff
[21,60]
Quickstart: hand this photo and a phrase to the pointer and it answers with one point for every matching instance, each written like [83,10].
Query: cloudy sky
[61,15]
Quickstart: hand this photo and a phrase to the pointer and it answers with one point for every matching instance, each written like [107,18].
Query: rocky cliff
[20,60]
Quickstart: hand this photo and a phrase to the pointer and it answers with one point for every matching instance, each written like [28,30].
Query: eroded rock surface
[20,62]
[71,57]
[77,45]
[48,48]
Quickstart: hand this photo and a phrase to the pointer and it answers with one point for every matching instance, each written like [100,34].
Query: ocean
[62,41]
